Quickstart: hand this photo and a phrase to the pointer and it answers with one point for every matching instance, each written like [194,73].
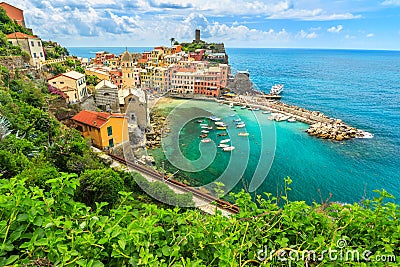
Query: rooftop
[19,35]
[93,118]
[74,75]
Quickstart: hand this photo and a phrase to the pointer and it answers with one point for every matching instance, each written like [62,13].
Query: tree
[172,40]
[99,186]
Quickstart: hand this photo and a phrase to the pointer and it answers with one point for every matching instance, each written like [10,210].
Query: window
[111,142]
[61,82]
[34,55]
[39,44]
[41,54]
[32,44]
[109,130]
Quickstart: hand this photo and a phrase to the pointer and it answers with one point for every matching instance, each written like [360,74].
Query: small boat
[203,135]
[214,118]
[242,125]
[238,120]
[203,124]
[276,89]
[232,115]
[206,140]
[223,145]
[291,119]
[200,121]
[221,127]
[254,109]
[222,134]
[243,107]
[229,148]
[220,123]
[204,127]
[209,128]
[243,134]
[266,112]
[225,141]
[205,131]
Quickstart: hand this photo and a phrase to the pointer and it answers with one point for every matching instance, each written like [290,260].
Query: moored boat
[205,131]
[223,134]
[225,141]
[276,89]
[291,119]
[221,127]
[203,135]
[243,134]
[229,148]
[241,125]
[223,145]
[206,140]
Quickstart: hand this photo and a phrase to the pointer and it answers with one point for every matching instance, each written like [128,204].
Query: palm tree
[4,127]
[172,40]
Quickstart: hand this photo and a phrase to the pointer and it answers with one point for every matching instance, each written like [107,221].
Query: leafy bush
[53,228]
[99,186]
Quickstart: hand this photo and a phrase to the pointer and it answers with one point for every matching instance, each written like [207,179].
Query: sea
[360,87]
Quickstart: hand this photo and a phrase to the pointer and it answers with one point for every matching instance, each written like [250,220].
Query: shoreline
[320,125]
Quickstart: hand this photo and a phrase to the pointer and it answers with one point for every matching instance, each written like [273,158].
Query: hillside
[60,205]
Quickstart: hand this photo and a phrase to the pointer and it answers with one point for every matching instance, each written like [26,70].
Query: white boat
[204,127]
[214,118]
[204,124]
[209,128]
[276,89]
[206,140]
[229,148]
[199,121]
[291,119]
[232,115]
[220,123]
[238,120]
[242,125]
[225,141]
[243,107]
[223,145]
[205,131]
[266,112]
[243,134]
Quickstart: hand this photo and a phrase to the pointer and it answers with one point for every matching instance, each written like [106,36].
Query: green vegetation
[8,26]
[54,50]
[61,206]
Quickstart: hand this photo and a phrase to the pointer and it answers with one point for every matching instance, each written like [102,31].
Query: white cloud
[336,29]
[391,3]
[348,36]
[369,35]
[305,35]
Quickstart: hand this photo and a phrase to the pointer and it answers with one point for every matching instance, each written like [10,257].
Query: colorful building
[73,84]
[105,130]
[14,13]
[30,44]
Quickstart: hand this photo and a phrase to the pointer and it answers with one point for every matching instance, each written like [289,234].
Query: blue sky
[356,24]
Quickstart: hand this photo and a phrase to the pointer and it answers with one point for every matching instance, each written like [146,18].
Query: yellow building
[106,130]
[101,74]
[72,84]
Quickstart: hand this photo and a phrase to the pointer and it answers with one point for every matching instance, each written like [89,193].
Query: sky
[335,24]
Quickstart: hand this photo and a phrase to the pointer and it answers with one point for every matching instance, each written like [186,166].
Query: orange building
[14,13]
[106,130]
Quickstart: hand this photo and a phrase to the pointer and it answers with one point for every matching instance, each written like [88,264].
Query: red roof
[19,35]
[93,118]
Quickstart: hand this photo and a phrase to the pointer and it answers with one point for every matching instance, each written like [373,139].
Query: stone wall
[16,62]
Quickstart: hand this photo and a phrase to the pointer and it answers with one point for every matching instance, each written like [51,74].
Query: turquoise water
[360,87]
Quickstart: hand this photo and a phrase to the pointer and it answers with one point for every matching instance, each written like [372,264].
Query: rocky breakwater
[335,130]
[158,130]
